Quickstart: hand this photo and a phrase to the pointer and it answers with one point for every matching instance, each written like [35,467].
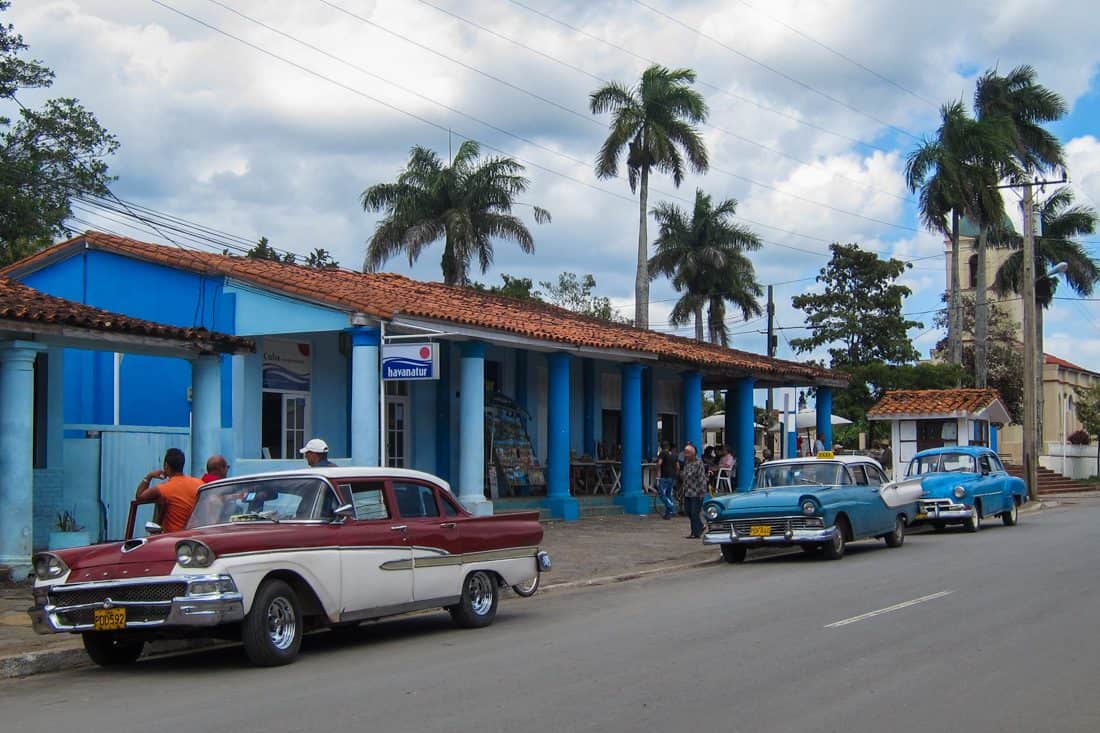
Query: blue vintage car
[817,503]
[964,485]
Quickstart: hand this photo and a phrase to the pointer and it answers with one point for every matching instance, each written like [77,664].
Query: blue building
[44,473]
[580,386]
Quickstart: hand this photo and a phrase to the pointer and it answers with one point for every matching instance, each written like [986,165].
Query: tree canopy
[858,315]
[48,155]
[467,203]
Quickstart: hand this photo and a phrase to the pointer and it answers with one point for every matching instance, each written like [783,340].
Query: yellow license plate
[760,530]
[109,619]
[922,515]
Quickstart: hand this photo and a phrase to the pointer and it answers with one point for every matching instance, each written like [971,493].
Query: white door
[397,431]
[295,423]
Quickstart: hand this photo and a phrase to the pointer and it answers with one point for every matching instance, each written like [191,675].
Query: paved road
[1007,640]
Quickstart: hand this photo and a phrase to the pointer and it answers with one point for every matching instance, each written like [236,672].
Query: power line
[839,54]
[772,69]
[582,115]
[603,80]
[713,87]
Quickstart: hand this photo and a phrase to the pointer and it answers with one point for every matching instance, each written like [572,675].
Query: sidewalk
[592,551]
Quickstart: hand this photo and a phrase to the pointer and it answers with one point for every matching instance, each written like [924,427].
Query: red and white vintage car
[267,557]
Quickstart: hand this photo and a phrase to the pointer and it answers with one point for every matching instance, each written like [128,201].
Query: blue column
[558,500]
[692,411]
[17,457]
[443,395]
[744,440]
[632,498]
[206,412]
[365,397]
[730,427]
[825,416]
[471,430]
[649,415]
[588,419]
[993,437]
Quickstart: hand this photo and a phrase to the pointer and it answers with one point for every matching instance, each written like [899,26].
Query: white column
[471,430]
[206,411]
[17,457]
[365,440]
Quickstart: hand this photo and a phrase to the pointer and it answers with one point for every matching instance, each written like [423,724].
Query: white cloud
[218,132]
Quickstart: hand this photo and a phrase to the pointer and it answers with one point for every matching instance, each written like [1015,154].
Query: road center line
[888,609]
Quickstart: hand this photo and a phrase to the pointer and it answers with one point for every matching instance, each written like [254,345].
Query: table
[583,474]
[609,477]
[649,477]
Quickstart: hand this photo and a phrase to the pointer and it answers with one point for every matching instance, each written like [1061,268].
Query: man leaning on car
[176,494]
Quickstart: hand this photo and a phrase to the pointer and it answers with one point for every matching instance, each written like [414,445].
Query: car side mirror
[153,528]
[343,513]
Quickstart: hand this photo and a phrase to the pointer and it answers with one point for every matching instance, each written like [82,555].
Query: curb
[47,660]
[623,577]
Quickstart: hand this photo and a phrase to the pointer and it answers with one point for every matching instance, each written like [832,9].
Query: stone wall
[49,490]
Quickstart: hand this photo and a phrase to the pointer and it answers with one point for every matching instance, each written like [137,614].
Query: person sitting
[726,460]
[316,454]
[176,495]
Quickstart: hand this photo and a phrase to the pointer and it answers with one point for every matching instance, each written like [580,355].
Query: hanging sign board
[286,366]
[410,361]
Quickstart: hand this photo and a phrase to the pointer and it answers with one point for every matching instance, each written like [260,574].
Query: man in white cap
[316,453]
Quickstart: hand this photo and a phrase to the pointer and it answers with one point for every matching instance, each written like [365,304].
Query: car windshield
[939,462]
[273,499]
[799,474]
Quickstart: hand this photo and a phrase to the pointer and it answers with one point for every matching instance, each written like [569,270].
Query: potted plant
[67,533]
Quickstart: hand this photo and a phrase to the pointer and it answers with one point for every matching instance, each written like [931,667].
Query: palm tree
[1060,222]
[654,123]
[1018,102]
[467,204]
[704,257]
[937,168]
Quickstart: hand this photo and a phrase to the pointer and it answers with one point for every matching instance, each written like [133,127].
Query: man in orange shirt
[176,494]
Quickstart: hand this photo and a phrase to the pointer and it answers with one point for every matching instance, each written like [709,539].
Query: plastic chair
[723,477]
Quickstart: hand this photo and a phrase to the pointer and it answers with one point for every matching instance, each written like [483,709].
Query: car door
[994,496]
[854,500]
[376,569]
[872,512]
[433,538]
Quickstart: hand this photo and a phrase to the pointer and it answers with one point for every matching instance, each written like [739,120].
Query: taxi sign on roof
[825,454]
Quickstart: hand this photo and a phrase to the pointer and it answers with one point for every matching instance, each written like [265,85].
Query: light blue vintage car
[964,485]
[817,503]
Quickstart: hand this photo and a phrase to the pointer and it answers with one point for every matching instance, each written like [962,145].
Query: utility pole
[1027,291]
[768,404]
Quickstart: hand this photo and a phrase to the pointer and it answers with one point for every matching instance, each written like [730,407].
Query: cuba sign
[410,361]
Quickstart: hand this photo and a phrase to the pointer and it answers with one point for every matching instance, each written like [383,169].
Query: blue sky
[810,143]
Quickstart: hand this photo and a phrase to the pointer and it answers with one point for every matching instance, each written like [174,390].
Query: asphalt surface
[1003,636]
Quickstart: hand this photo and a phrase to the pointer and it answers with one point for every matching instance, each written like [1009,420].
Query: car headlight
[808,508]
[959,492]
[193,554]
[48,566]
[711,512]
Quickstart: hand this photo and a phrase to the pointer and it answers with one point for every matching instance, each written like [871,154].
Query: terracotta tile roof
[1052,359]
[938,402]
[19,302]
[385,295]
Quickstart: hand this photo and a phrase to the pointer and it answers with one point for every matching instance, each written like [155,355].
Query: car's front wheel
[111,649]
[897,537]
[974,521]
[1011,517]
[478,606]
[834,550]
[733,553]
[272,630]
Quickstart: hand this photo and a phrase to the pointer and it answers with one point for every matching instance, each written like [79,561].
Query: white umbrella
[717,421]
[806,419]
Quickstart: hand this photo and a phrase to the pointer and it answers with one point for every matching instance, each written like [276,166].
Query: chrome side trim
[398,608]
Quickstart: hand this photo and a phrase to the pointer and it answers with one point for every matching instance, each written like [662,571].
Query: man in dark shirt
[693,487]
[668,468]
[316,454]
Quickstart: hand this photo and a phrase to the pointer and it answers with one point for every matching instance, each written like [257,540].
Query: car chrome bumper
[192,609]
[942,512]
[543,560]
[790,537]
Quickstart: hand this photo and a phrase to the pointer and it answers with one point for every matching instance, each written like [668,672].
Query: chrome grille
[778,525]
[136,593]
[941,503]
